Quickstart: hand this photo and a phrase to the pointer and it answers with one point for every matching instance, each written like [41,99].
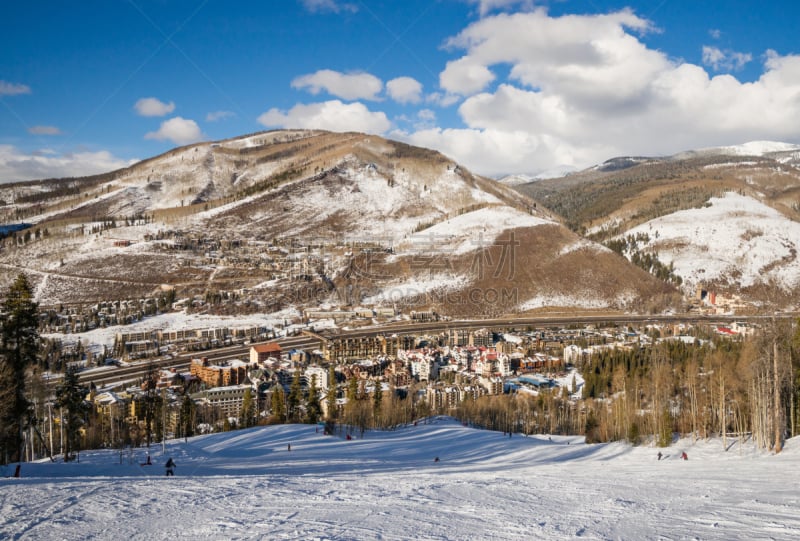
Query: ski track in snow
[246,485]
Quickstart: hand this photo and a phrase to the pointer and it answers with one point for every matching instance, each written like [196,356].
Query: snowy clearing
[736,236]
[247,485]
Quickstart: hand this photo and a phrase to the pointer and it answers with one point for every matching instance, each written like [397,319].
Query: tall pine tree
[295,396]
[330,396]
[278,404]
[377,399]
[18,350]
[247,414]
[187,416]
[70,397]
[313,407]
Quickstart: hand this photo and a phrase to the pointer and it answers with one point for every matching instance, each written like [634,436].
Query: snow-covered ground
[247,485]
[736,237]
[578,299]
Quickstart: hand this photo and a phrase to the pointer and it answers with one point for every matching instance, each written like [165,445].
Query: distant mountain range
[305,218]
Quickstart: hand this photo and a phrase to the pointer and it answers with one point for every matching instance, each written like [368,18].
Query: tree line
[744,389]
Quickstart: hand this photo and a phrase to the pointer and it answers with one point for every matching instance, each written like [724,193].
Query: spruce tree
[330,396]
[313,408]
[247,414]
[18,350]
[295,396]
[150,401]
[279,404]
[187,416]
[70,397]
[377,399]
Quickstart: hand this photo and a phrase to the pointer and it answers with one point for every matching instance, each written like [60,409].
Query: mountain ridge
[630,197]
[302,217]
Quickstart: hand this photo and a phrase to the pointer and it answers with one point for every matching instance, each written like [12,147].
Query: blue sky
[504,86]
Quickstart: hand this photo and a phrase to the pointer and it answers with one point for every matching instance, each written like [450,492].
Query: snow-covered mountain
[725,218]
[555,172]
[305,217]
[247,485]
[733,239]
[751,148]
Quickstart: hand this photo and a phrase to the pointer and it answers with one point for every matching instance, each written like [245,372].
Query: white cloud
[465,76]
[500,152]
[348,86]
[577,54]
[442,100]
[726,60]
[180,131]
[426,114]
[12,89]
[153,107]
[426,119]
[328,6]
[44,130]
[486,6]
[216,116]
[330,115]
[16,165]
[404,90]
[715,33]
[581,89]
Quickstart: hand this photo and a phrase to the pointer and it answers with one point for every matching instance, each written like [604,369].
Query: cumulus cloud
[180,131]
[726,60]
[44,130]
[328,6]
[153,107]
[501,152]
[16,165]
[330,115]
[216,116]
[12,89]
[715,33]
[582,89]
[564,53]
[404,90]
[465,76]
[348,86]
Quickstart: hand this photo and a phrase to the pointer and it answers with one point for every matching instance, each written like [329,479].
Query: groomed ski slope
[247,485]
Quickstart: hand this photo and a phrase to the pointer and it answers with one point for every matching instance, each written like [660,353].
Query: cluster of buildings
[74,319]
[708,301]
[447,367]
[146,343]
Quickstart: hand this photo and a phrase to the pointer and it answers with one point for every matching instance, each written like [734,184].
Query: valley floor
[248,485]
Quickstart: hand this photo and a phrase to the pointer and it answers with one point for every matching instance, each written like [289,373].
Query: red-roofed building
[261,352]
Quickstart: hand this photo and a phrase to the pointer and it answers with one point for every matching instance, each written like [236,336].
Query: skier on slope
[170,465]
